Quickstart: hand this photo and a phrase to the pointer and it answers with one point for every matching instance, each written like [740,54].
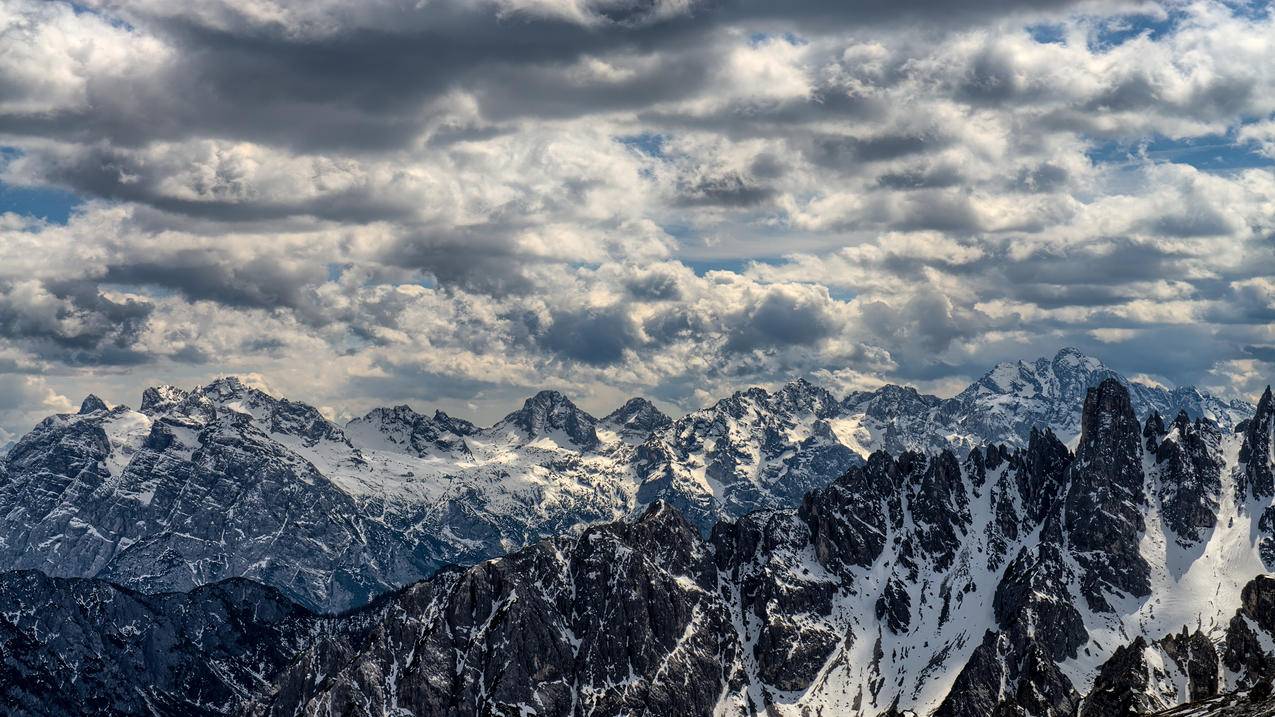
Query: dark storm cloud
[1183,354]
[936,210]
[361,88]
[1044,178]
[1198,221]
[1261,353]
[1245,302]
[480,258]
[926,325]
[118,174]
[1112,262]
[992,79]
[1217,97]
[263,282]
[400,381]
[848,153]
[73,322]
[511,91]
[598,337]
[654,286]
[465,167]
[781,318]
[725,191]
[932,177]
[673,324]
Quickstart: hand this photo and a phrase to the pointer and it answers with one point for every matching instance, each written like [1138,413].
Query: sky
[455,204]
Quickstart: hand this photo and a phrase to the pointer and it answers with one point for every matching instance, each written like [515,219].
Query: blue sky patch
[1117,31]
[1048,33]
[47,203]
[649,143]
[703,266]
[1210,153]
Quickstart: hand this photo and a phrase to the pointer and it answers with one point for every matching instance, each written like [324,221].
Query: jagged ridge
[227,480]
[1004,582]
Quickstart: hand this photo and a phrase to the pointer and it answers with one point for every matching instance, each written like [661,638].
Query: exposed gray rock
[637,419]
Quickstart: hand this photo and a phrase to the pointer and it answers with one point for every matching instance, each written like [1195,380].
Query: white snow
[125,431]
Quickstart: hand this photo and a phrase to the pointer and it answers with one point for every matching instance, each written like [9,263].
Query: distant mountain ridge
[228,481]
[1127,577]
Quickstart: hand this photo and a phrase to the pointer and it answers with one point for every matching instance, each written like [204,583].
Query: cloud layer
[455,202]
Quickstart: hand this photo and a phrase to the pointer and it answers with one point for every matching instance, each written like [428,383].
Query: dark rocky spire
[92,404]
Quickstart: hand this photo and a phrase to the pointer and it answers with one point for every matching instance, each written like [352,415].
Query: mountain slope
[202,491]
[1007,582]
[87,647]
[1013,398]
[228,481]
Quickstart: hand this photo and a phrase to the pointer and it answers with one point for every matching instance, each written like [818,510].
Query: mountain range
[1126,576]
[225,480]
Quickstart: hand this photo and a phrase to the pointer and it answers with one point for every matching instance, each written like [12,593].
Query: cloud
[782,316]
[24,401]
[73,322]
[596,336]
[460,201]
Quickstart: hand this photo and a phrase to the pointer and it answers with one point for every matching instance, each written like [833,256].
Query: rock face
[1144,678]
[226,480]
[873,596]
[1190,473]
[87,647]
[1104,506]
[1013,398]
[1002,582]
[624,620]
[201,492]
[637,419]
[751,451]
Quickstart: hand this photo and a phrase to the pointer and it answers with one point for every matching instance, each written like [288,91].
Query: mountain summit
[1128,578]
[227,480]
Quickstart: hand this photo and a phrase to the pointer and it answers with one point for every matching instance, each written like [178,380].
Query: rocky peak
[1043,474]
[1246,650]
[225,387]
[1182,422]
[1153,430]
[802,395]
[1107,416]
[1072,359]
[1257,477]
[637,418]
[158,399]
[395,422]
[549,412]
[459,426]
[1142,676]
[1104,515]
[403,428]
[1190,471]
[92,404]
[891,400]
[661,529]
[1074,373]
[1257,602]
[394,415]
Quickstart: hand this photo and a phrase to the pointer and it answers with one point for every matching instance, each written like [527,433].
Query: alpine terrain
[224,481]
[1126,577]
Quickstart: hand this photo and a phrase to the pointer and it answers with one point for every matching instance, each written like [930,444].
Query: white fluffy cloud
[458,202]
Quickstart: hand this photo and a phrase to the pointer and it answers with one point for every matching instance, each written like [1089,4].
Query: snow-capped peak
[401,428]
[548,413]
[636,419]
[158,399]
